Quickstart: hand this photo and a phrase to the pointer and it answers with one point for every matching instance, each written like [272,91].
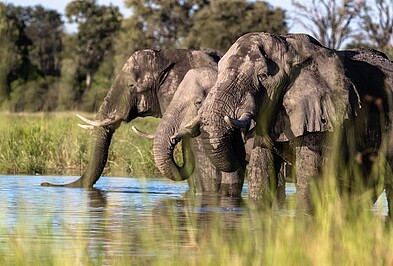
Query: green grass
[52,143]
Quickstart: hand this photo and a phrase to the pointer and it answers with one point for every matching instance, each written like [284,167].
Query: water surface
[121,212]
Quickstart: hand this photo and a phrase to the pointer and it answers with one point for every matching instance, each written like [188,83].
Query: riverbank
[52,143]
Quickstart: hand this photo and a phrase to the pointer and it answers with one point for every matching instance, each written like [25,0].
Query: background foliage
[43,68]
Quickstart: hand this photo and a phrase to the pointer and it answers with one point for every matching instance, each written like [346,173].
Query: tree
[132,37]
[44,28]
[331,23]
[164,23]
[16,17]
[222,22]
[97,26]
[9,55]
[377,25]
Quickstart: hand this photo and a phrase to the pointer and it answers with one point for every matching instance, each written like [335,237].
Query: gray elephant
[173,127]
[144,87]
[301,96]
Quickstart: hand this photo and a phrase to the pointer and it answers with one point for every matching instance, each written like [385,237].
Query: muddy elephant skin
[299,93]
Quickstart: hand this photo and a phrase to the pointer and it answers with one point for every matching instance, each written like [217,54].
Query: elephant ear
[317,101]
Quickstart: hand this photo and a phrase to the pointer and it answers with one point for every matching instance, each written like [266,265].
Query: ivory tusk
[243,122]
[142,134]
[195,122]
[179,136]
[97,123]
[87,127]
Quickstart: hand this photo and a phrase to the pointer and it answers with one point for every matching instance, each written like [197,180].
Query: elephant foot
[231,190]
[232,183]
[304,201]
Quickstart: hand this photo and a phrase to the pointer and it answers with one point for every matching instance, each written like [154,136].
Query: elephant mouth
[227,153]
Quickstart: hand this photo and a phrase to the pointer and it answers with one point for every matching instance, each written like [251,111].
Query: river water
[117,210]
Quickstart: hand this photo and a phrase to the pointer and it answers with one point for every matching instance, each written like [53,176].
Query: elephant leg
[262,181]
[281,185]
[389,198]
[232,183]
[206,179]
[389,186]
[308,154]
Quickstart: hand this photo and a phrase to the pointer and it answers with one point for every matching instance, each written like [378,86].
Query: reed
[52,143]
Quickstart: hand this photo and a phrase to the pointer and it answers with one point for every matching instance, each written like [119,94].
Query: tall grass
[53,144]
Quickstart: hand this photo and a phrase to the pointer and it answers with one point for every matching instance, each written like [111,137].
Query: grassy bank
[52,143]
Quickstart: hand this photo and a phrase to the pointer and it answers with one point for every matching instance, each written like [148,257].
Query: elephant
[298,97]
[173,127]
[144,87]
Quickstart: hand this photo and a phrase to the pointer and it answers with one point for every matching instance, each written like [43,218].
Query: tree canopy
[217,29]
[44,68]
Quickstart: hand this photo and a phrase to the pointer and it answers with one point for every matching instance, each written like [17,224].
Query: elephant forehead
[128,67]
[240,56]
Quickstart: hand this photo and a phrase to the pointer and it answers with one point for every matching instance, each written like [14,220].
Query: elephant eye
[262,76]
[130,85]
[198,103]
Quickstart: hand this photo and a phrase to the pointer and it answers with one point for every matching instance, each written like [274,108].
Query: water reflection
[123,214]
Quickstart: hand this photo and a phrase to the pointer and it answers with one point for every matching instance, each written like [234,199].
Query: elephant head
[184,107]
[175,124]
[254,76]
[144,87]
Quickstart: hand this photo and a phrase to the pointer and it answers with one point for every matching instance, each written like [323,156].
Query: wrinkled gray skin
[144,87]
[299,93]
[183,108]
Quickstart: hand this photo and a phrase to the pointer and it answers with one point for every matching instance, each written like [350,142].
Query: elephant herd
[270,101]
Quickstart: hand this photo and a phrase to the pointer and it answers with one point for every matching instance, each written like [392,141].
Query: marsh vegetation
[52,143]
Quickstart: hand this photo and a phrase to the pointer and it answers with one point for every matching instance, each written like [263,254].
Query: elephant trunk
[226,151]
[101,140]
[223,144]
[163,150]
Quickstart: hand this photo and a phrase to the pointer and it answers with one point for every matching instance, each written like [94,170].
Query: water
[114,214]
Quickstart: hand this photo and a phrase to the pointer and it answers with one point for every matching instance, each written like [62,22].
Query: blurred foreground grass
[52,143]
[338,234]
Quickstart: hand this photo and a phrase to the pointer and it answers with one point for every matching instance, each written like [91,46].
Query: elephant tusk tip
[87,127]
[228,120]
[173,140]
[195,122]
[142,134]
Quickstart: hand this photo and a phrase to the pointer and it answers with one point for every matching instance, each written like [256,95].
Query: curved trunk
[98,156]
[163,150]
[118,106]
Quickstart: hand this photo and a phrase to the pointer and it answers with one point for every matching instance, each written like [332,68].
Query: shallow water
[116,212]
